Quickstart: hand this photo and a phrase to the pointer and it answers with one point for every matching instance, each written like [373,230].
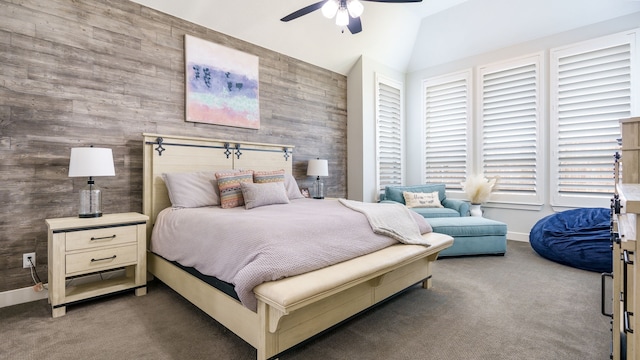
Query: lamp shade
[342,17]
[330,8]
[318,167]
[91,161]
[355,8]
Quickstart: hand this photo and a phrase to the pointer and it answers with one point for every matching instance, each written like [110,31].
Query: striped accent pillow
[230,189]
[261,177]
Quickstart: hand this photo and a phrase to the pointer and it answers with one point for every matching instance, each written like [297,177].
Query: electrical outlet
[25,260]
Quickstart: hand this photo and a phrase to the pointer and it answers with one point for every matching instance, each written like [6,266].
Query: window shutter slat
[510,108]
[389,133]
[447,109]
[592,93]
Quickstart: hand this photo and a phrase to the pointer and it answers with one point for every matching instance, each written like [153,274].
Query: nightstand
[94,245]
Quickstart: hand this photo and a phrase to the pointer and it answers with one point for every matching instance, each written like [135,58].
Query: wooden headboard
[167,153]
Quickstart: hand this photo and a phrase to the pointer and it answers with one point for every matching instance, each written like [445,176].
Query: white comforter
[249,247]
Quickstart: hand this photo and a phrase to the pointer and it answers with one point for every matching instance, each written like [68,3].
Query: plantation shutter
[509,113]
[447,105]
[591,91]
[389,132]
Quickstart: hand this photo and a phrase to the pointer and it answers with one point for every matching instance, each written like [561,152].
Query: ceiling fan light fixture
[355,8]
[347,12]
[342,17]
[330,8]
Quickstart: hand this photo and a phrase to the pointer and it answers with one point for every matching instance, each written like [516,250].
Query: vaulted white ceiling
[405,37]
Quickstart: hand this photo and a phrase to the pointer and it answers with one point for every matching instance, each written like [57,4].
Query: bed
[292,309]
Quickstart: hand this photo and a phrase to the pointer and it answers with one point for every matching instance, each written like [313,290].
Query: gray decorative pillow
[256,195]
[190,190]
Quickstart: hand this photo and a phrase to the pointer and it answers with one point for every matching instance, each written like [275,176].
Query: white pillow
[256,195]
[293,191]
[422,200]
[191,190]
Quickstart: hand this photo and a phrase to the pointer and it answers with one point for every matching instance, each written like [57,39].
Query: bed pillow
[293,191]
[422,200]
[230,189]
[191,190]
[262,194]
[261,177]
[290,184]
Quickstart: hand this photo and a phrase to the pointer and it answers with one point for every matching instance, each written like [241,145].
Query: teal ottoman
[472,235]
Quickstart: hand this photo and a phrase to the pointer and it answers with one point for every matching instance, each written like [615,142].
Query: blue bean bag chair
[579,238]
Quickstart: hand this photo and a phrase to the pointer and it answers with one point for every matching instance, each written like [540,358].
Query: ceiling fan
[347,12]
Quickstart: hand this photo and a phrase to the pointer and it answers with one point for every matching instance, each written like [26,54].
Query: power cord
[34,276]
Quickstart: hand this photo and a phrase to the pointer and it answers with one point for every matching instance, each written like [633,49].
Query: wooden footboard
[220,306]
[294,309]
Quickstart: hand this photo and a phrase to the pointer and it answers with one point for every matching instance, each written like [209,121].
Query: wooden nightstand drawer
[102,259]
[88,239]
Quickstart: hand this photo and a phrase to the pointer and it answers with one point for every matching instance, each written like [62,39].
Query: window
[592,85]
[388,132]
[447,106]
[590,91]
[509,108]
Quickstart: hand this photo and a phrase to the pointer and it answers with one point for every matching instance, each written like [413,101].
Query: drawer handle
[625,257]
[627,322]
[103,238]
[103,259]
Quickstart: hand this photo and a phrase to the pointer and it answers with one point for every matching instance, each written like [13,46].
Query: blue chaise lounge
[471,235]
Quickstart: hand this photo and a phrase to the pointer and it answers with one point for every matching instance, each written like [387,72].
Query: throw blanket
[249,247]
[393,220]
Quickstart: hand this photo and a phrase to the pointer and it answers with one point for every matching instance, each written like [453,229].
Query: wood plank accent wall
[81,72]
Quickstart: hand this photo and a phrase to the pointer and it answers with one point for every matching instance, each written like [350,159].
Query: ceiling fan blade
[355,25]
[394,1]
[304,11]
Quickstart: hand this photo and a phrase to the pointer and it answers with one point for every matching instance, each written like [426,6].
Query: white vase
[475,210]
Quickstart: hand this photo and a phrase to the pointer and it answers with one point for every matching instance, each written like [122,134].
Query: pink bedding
[249,247]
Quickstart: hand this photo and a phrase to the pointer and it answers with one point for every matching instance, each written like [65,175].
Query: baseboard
[517,236]
[21,296]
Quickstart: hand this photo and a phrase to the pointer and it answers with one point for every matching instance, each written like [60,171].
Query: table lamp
[90,162]
[318,168]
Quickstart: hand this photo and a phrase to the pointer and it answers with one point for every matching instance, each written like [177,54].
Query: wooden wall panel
[81,72]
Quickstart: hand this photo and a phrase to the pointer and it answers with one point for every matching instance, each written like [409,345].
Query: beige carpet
[519,306]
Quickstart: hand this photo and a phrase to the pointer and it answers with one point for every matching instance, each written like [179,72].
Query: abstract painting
[221,85]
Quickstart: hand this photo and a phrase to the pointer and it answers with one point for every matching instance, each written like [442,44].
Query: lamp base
[90,201]
[318,189]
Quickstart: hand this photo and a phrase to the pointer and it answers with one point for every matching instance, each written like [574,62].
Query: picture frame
[305,192]
[221,85]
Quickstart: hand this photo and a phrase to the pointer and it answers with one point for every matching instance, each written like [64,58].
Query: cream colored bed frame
[293,309]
